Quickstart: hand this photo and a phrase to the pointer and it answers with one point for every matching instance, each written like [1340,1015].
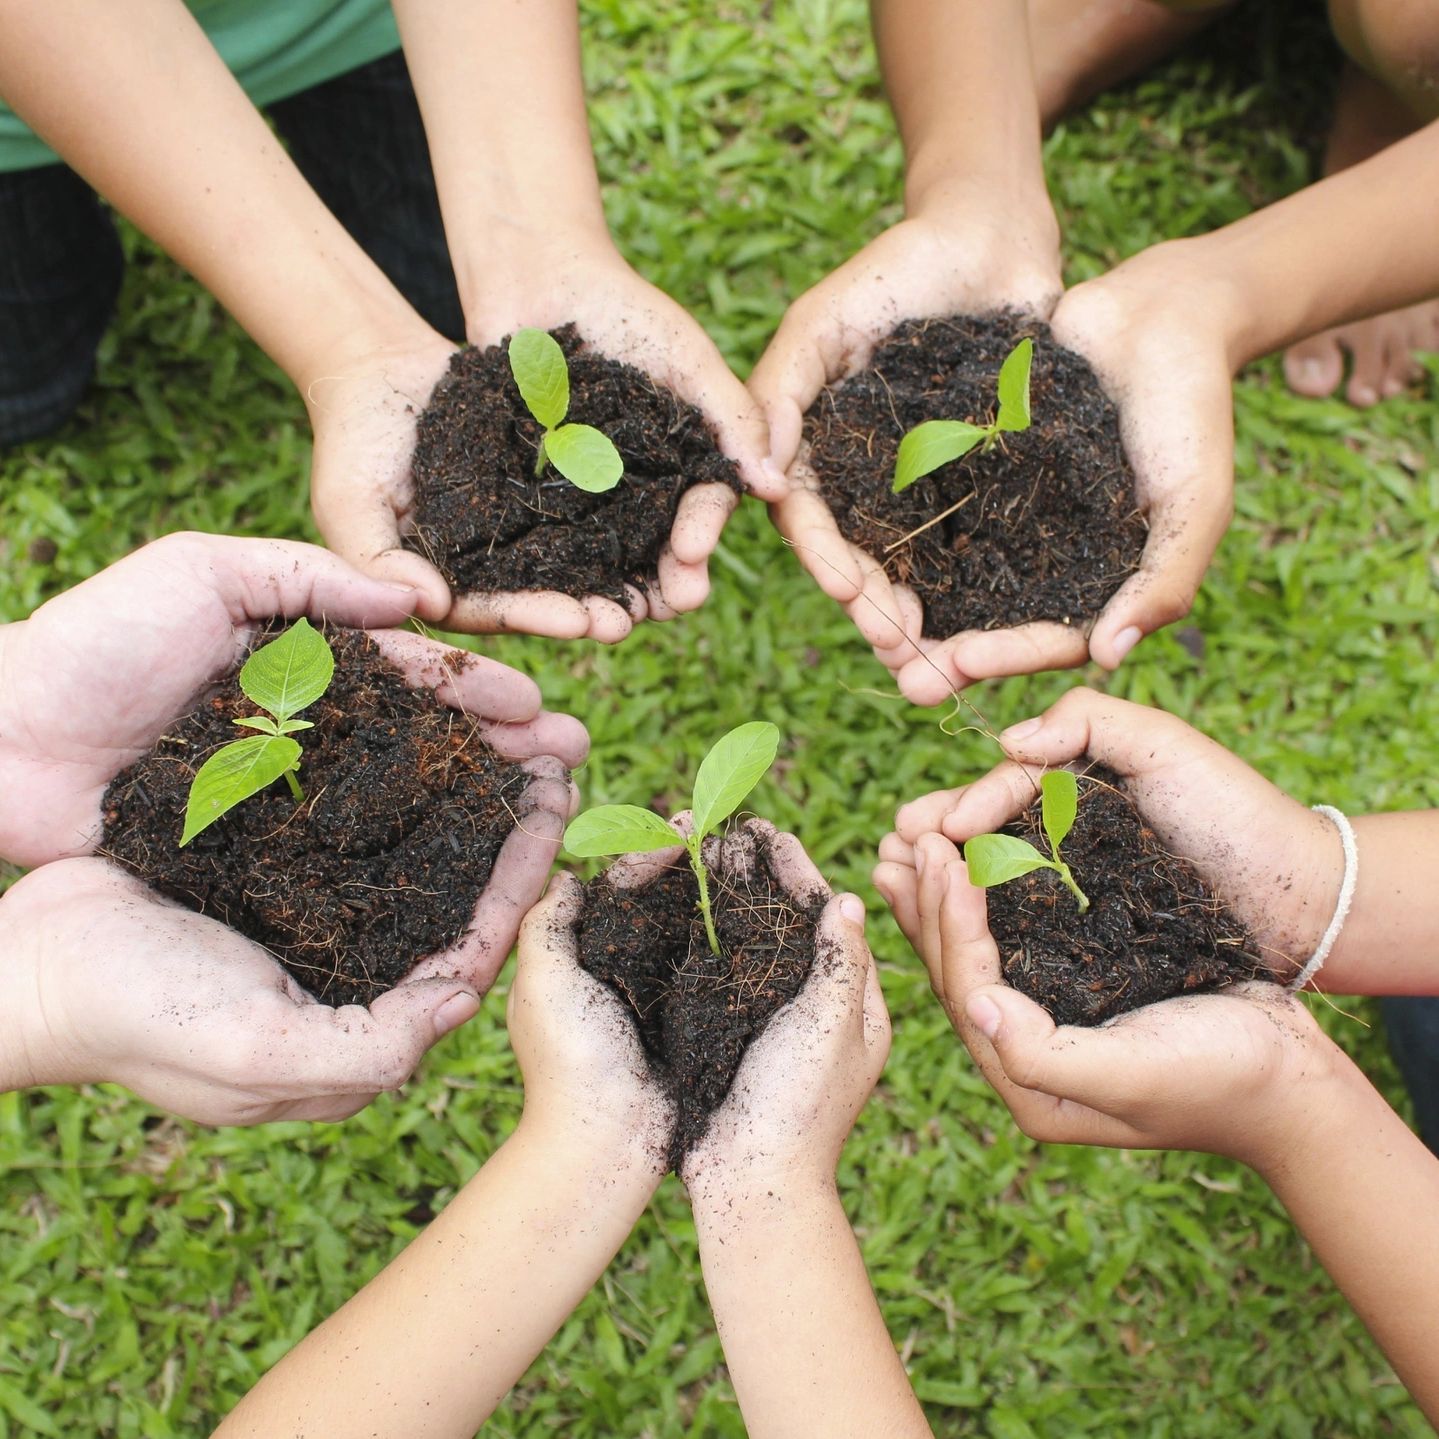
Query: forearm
[134,97]
[803,1338]
[502,94]
[1390,940]
[1364,1192]
[961,84]
[429,1348]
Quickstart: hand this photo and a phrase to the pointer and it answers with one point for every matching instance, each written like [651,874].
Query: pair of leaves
[726,776]
[282,677]
[582,454]
[998,858]
[936,442]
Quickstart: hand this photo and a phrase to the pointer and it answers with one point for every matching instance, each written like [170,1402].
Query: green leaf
[730,771]
[1059,803]
[585,457]
[232,774]
[1014,387]
[290,672]
[538,365]
[998,858]
[292,726]
[264,723]
[618,829]
[928,446]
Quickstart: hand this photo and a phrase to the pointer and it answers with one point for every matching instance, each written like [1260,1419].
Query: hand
[1226,1073]
[807,1076]
[1276,865]
[1158,341]
[585,281]
[92,679]
[105,981]
[586,1076]
[960,253]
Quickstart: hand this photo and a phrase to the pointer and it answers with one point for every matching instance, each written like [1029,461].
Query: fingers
[700,520]
[923,816]
[835,989]
[1125,737]
[547,938]
[788,379]
[909,642]
[808,527]
[959,661]
[898,886]
[540,612]
[558,735]
[990,803]
[788,862]
[462,680]
[681,587]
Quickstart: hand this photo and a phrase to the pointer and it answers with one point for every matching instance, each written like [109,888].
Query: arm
[136,99]
[1247,1074]
[431,1346]
[803,1337]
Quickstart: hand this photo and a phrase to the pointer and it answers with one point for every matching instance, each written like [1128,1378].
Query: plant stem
[541,458]
[698,865]
[1063,871]
[294,786]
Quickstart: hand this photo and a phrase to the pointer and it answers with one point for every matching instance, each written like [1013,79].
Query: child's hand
[587,1080]
[105,981]
[1276,865]
[950,258]
[809,1073]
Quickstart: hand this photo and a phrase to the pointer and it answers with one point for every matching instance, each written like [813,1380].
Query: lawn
[151,1271]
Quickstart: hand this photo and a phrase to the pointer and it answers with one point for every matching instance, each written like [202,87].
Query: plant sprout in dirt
[998,858]
[726,776]
[936,442]
[584,455]
[282,677]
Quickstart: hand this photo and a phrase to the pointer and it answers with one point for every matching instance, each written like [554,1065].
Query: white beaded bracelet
[1346,896]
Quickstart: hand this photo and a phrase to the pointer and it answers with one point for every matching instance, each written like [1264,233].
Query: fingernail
[984,1015]
[1363,395]
[1023,729]
[1309,370]
[852,908]
[774,474]
[458,1009]
[1126,640]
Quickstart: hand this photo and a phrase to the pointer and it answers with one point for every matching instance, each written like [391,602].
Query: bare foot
[1383,349]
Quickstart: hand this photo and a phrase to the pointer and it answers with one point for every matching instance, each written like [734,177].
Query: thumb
[835,989]
[1021,1034]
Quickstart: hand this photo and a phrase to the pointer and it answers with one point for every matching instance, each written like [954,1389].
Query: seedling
[281,677]
[726,775]
[936,442]
[998,858]
[581,453]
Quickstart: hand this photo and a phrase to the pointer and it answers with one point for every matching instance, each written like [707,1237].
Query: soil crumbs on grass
[1154,929]
[697,1013]
[489,524]
[406,809]
[1048,528]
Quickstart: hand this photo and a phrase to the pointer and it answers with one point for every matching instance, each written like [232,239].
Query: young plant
[726,775]
[936,442]
[581,453]
[281,677]
[998,858]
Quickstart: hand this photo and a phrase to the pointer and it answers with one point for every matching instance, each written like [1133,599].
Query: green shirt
[274,48]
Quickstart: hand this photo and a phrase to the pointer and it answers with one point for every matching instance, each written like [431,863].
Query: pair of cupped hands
[1154,341]
[103,980]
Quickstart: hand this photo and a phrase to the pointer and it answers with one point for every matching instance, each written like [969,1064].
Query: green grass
[149,1271]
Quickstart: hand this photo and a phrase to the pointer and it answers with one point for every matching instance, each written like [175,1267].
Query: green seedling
[582,454]
[282,677]
[936,442]
[998,858]
[726,775]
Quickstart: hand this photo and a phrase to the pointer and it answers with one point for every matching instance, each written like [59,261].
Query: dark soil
[1154,929]
[1048,530]
[406,809]
[489,525]
[697,1014]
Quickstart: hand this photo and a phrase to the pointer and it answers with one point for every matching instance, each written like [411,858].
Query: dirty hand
[957,254]
[103,981]
[587,1080]
[1226,1073]
[807,1076]
[1276,865]
[587,283]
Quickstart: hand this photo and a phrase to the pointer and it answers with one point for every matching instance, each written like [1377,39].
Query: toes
[1369,345]
[1314,367]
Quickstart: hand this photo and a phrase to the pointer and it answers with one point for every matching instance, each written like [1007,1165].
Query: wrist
[1299,1115]
[750,1197]
[522,262]
[621,1164]
[339,341]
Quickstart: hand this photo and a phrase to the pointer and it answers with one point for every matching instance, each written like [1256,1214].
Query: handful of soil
[1154,928]
[382,865]
[1045,526]
[697,1012]
[489,523]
